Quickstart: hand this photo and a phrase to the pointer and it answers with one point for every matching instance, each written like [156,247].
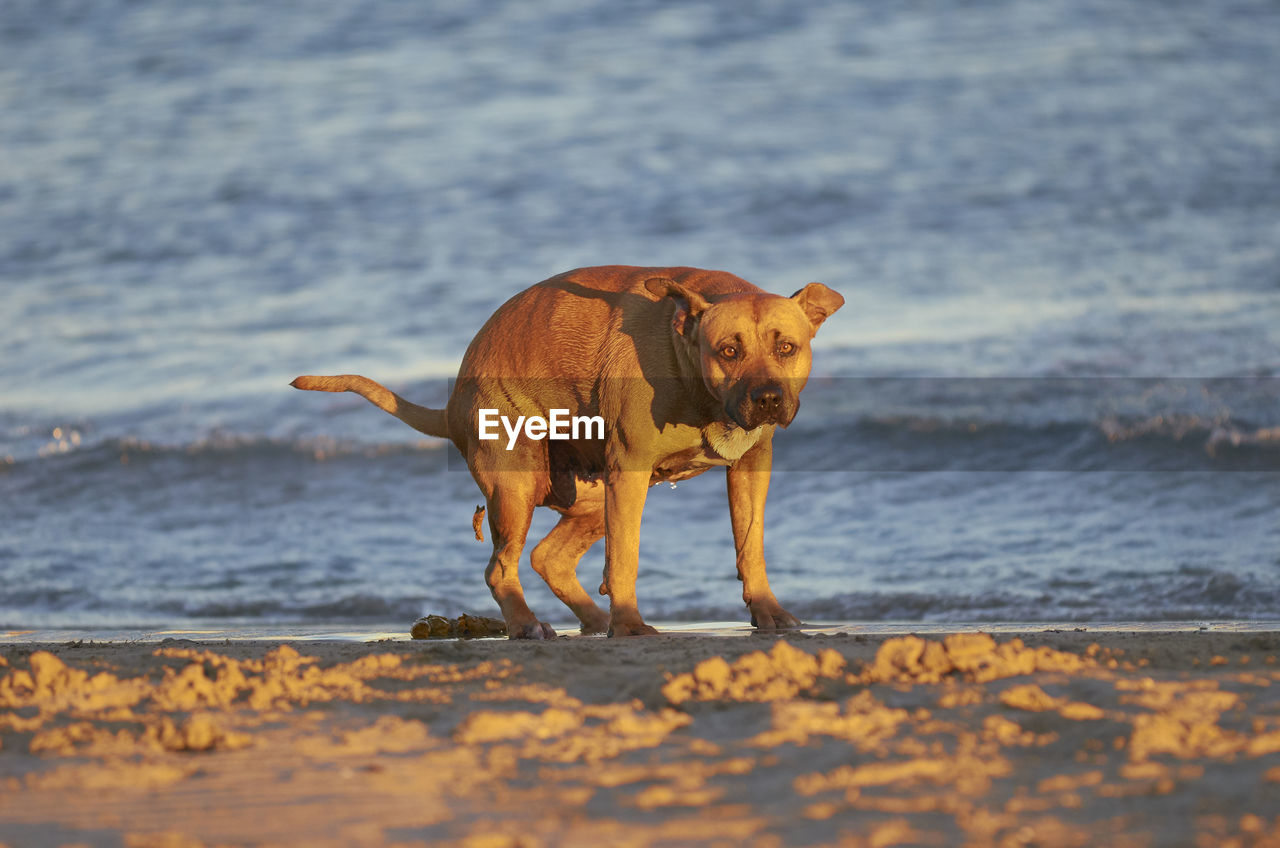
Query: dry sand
[1053,738]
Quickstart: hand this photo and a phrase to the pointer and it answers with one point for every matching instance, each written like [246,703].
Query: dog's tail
[433,422]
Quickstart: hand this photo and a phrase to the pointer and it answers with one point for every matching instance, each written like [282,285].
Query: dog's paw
[771,616]
[596,623]
[631,628]
[536,630]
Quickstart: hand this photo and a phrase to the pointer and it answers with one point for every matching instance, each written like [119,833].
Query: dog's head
[753,348]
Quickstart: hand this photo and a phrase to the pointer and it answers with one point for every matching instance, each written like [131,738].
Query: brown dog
[687,369]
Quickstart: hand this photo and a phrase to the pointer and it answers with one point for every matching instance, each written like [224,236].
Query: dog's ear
[689,304]
[818,303]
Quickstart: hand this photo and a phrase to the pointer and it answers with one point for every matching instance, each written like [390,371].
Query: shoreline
[1047,736]
[384,631]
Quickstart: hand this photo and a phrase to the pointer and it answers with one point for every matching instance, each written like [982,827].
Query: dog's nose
[767,398]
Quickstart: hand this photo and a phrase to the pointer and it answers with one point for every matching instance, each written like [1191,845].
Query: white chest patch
[729,441]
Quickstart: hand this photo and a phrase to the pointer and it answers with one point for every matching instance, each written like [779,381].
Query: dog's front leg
[748,488]
[624,496]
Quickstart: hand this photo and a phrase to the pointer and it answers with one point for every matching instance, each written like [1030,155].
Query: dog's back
[565,324]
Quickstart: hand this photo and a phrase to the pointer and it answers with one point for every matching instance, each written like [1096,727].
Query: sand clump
[787,671]
[862,720]
[280,680]
[50,686]
[203,704]
[1032,698]
[284,680]
[199,732]
[1184,722]
[586,733]
[976,656]
[783,673]
[208,681]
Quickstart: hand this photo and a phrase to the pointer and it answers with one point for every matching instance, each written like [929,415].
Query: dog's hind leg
[510,508]
[556,560]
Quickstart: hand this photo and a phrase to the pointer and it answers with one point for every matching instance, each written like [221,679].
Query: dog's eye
[729,352]
[786,348]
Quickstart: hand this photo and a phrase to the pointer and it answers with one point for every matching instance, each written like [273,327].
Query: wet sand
[1041,738]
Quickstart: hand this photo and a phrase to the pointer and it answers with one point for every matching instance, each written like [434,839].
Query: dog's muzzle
[763,403]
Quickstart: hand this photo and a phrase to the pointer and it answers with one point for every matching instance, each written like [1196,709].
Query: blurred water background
[1052,394]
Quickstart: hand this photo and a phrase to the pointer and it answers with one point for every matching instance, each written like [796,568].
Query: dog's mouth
[755,406]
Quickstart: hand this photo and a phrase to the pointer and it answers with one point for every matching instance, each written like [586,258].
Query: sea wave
[1181,594]
[935,443]
[35,609]
[871,443]
[88,454]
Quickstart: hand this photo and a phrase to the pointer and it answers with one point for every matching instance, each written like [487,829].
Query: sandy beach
[1043,738]
[1052,395]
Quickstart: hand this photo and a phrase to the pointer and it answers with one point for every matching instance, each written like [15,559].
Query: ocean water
[1053,394]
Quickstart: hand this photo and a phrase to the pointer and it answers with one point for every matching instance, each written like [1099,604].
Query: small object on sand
[431,627]
[463,627]
[475,523]
[471,626]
